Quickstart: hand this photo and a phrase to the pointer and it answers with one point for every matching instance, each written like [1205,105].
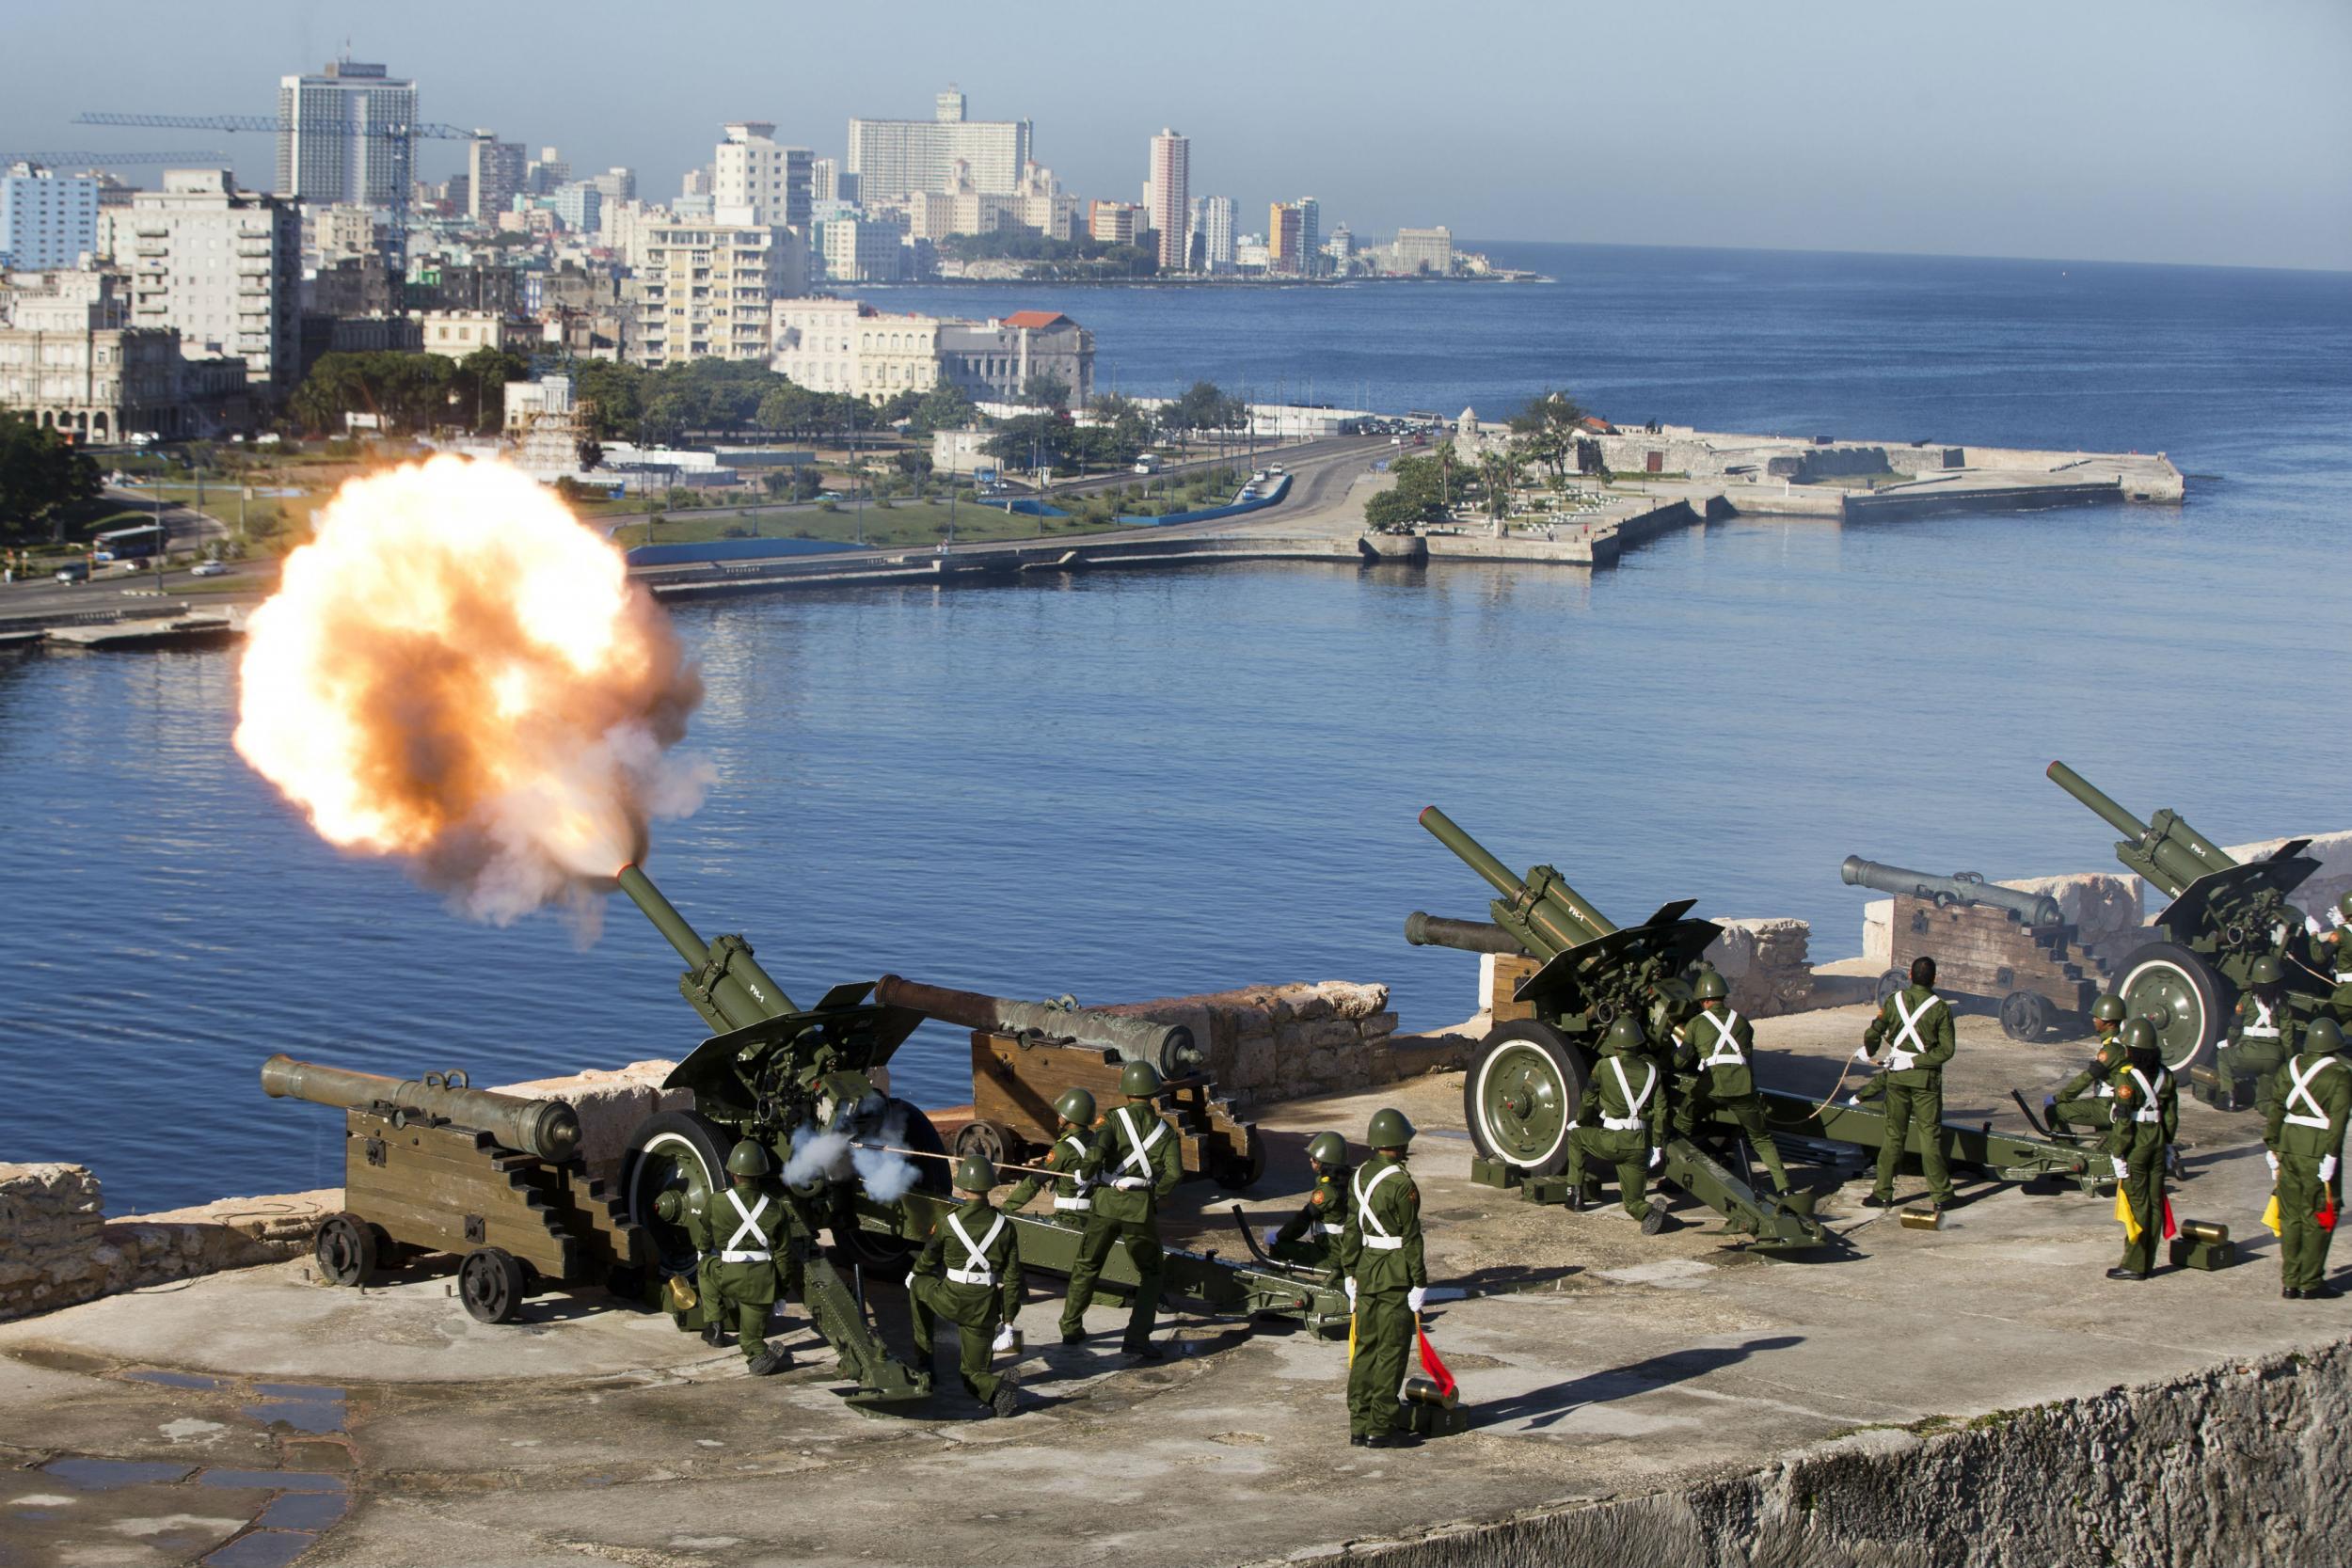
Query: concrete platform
[390,1429]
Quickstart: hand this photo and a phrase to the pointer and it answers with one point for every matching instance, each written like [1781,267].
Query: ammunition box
[2189,1252]
[1922,1219]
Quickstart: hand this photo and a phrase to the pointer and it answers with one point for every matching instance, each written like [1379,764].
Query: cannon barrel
[1169,1047]
[2165,849]
[548,1128]
[720,976]
[1424,930]
[1555,915]
[2034,909]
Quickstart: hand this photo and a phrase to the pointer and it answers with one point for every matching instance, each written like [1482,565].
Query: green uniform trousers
[1141,1239]
[1628,1152]
[978,1313]
[1748,1111]
[2088,1114]
[2302,1244]
[2143,1189]
[1384,1338]
[1919,1106]
[746,1291]
[2233,1064]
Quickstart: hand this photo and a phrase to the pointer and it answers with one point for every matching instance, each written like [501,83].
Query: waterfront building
[1212,221]
[1422,250]
[71,361]
[1251,254]
[706,290]
[755,180]
[1310,235]
[893,158]
[844,345]
[325,149]
[1113,222]
[1285,239]
[862,250]
[454,334]
[47,220]
[1171,202]
[494,176]
[221,266]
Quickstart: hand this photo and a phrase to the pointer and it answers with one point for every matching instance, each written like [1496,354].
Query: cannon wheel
[1235,1171]
[992,1141]
[872,1251]
[1891,982]
[346,1249]
[671,1149]
[1520,1095]
[490,1282]
[2025,1016]
[2180,994]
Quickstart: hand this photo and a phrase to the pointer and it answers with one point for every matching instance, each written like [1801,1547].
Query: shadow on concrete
[1545,1408]
[1503,1280]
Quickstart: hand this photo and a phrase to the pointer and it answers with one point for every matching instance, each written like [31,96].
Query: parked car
[73,572]
[209,569]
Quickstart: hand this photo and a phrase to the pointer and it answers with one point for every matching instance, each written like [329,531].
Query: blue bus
[131,544]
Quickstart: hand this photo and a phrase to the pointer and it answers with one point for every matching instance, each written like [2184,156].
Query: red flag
[2170,1229]
[1430,1364]
[2326,1216]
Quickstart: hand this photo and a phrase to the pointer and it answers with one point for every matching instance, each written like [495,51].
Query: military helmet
[1138,1079]
[974,1174]
[2344,906]
[749,1158]
[2110,1009]
[2139,1034]
[1076,1106]
[2321,1037]
[1329,1148]
[1709,986]
[1389,1129]
[1624,1033]
[2266,971]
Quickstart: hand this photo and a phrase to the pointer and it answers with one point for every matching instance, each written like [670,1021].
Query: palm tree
[1498,471]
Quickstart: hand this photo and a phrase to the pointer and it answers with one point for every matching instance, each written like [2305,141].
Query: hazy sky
[2130,129]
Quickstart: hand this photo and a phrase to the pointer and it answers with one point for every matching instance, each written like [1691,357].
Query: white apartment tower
[1170,197]
[755,180]
[224,266]
[48,221]
[494,176]
[325,152]
[1212,229]
[893,158]
[704,290]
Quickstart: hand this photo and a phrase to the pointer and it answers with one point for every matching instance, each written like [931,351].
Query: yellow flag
[2123,1213]
[1351,1325]
[2270,1216]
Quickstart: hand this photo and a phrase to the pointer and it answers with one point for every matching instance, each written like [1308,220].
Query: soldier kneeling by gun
[1630,1113]
[2086,1101]
[1312,1235]
[1073,1193]
[745,1241]
[969,1273]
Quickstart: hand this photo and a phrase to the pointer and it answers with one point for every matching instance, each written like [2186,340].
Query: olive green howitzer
[1528,1078]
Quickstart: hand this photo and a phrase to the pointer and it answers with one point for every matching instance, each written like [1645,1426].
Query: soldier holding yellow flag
[2308,1103]
[2147,1118]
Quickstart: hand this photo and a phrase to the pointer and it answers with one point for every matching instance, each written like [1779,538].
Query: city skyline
[1857,131]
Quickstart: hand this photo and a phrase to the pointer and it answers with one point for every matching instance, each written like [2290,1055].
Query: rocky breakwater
[1287,1042]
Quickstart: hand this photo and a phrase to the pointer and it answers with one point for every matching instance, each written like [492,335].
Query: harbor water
[1143,784]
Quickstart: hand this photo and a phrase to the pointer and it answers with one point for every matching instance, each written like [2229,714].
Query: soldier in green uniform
[2082,1103]
[1915,1026]
[2334,948]
[2262,1031]
[1131,1164]
[2307,1106]
[1380,1258]
[1621,1121]
[969,1273]
[1073,1141]
[745,1234]
[1312,1235]
[1717,1045]
[2147,1118]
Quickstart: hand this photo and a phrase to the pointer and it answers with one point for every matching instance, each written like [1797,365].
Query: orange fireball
[457,673]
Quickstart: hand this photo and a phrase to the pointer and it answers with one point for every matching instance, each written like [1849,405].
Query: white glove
[909,1279]
[1656,1156]
[1414,1297]
[1861,1053]
[2328,1168]
[1571,1127]
[1351,1295]
[1854,1099]
[2272,1161]
[2122,1170]
[1128,1183]
[1272,1233]
[2107,1091]
[1004,1338]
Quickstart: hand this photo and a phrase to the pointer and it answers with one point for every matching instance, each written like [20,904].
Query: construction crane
[122,160]
[400,141]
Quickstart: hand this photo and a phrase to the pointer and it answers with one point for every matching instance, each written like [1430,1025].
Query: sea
[1145,783]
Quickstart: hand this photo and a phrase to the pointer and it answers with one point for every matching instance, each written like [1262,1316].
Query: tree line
[1548,434]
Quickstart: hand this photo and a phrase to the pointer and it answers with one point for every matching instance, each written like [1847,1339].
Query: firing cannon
[2223,915]
[1026,1055]
[433,1165]
[1576,972]
[2008,948]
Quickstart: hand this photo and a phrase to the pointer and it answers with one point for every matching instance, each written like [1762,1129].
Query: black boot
[2125,1274]
[1007,1399]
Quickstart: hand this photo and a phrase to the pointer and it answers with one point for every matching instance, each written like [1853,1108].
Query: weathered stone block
[610,1102]
[2097,904]
[1255,1064]
[1326,1033]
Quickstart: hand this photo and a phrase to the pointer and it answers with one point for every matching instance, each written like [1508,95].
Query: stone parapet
[610,1102]
[1766,963]
[1285,1041]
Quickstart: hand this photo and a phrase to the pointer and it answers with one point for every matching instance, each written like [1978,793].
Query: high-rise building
[1310,235]
[949,107]
[547,173]
[325,149]
[755,180]
[1212,232]
[1283,238]
[1422,250]
[580,205]
[1171,198]
[48,221]
[704,290]
[891,158]
[494,175]
[222,265]
[617,183]
[1113,222]
[862,250]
